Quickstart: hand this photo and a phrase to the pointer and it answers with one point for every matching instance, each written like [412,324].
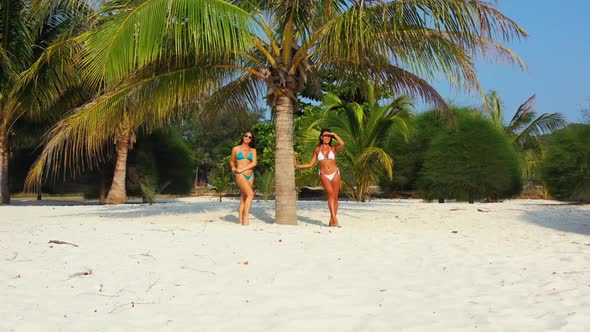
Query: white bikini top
[321,156]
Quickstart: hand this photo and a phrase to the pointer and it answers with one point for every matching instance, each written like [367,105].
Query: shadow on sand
[51,202]
[161,208]
[263,211]
[266,214]
[572,218]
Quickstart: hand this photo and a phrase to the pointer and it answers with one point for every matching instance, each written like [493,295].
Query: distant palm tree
[525,128]
[147,100]
[35,65]
[586,114]
[265,184]
[222,180]
[363,128]
[144,80]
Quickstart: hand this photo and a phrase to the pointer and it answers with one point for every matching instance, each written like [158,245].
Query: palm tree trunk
[118,193]
[285,195]
[362,189]
[4,158]
[102,188]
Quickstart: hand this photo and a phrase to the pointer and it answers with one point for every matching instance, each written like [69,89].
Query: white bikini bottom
[330,176]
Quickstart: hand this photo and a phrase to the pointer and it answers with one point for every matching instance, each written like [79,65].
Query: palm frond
[531,161]
[424,38]
[245,90]
[494,108]
[146,100]
[380,71]
[478,18]
[371,155]
[544,124]
[523,116]
[16,36]
[143,32]
[56,17]
[73,144]
[47,79]
[7,70]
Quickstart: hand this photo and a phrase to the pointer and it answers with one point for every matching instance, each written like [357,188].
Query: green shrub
[265,145]
[408,154]
[175,161]
[469,162]
[142,170]
[160,163]
[565,169]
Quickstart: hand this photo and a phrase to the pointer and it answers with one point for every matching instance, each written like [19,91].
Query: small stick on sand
[202,271]
[62,242]
[103,295]
[13,257]
[152,285]
[132,304]
[80,274]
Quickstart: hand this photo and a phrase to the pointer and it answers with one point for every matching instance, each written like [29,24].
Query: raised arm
[311,162]
[340,141]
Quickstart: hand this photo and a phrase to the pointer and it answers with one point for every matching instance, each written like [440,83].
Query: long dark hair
[252,143]
[321,133]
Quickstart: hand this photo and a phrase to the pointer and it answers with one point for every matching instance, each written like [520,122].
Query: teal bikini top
[240,156]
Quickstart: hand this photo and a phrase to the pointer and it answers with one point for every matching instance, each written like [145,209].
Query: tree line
[98,79]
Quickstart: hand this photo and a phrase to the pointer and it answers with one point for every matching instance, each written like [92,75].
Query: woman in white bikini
[325,153]
[244,155]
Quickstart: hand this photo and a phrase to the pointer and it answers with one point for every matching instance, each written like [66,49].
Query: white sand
[396,265]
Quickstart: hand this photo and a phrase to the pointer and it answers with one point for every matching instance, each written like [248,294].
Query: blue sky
[557,53]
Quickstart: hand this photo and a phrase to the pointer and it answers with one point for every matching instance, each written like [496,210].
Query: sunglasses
[247,136]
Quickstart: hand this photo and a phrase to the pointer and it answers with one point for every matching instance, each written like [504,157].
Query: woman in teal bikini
[325,154]
[242,163]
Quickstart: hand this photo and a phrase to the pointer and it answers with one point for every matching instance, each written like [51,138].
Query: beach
[395,265]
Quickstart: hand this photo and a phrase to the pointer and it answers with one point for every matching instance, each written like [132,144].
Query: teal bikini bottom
[248,177]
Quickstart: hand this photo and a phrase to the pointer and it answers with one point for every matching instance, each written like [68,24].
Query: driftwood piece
[62,242]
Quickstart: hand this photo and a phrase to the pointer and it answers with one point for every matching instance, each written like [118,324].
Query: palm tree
[525,128]
[363,128]
[221,179]
[34,64]
[145,77]
[400,44]
[149,99]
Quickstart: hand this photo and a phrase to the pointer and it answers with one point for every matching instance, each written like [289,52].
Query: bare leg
[332,205]
[248,201]
[246,187]
[241,210]
[336,190]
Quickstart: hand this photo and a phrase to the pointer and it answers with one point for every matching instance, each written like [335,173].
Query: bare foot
[333,222]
